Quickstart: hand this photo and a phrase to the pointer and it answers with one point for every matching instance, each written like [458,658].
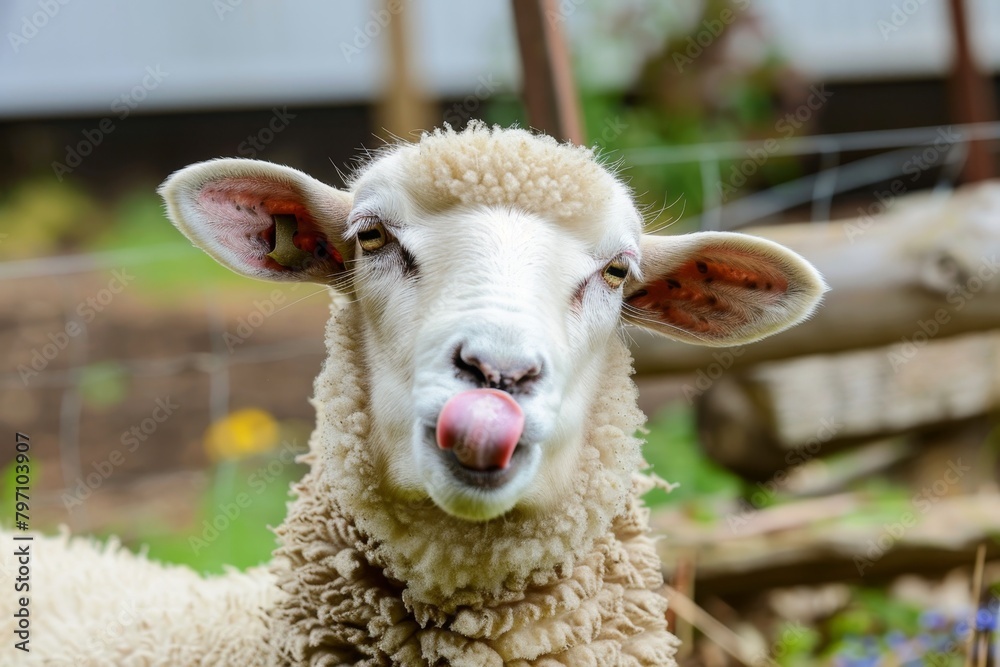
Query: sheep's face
[491,269]
[478,296]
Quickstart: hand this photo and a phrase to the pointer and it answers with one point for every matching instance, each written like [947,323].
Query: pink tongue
[482,427]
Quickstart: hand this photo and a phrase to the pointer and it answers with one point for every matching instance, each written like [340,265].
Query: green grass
[234,527]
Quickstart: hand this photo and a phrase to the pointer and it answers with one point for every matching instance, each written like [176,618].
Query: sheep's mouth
[491,478]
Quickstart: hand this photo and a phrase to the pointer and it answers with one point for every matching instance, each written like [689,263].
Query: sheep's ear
[717,288]
[261,219]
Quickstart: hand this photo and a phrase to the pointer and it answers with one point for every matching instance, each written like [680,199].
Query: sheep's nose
[509,374]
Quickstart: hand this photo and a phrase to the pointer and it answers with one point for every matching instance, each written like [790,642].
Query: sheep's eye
[373,238]
[615,273]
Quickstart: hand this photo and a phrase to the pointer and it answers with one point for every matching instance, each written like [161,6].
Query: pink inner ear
[241,210]
[713,293]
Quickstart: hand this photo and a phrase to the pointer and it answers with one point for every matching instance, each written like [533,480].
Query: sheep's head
[491,268]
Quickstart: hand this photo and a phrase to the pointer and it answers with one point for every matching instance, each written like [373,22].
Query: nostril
[523,375]
[471,367]
[508,375]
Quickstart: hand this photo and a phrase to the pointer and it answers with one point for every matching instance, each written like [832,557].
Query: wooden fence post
[548,88]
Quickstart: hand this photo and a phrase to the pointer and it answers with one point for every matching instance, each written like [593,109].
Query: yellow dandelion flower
[240,434]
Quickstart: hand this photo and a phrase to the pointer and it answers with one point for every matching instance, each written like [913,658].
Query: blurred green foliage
[876,629]
[245,500]
[673,452]
[794,645]
[103,385]
[693,83]
[871,613]
[50,218]
[46,217]
[8,486]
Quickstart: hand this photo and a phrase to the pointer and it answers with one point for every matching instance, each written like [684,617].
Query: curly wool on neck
[363,575]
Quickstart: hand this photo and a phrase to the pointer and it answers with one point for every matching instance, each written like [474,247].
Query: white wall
[864,39]
[261,52]
[79,57]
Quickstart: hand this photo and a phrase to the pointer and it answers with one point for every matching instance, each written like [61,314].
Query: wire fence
[819,189]
[215,364]
[831,179]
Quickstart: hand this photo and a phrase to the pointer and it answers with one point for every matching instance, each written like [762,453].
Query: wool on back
[94,605]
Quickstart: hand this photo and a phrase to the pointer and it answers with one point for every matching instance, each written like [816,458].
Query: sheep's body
[474,492]
[95,605]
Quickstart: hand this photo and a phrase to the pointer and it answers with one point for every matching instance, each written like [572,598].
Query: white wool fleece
[94,605]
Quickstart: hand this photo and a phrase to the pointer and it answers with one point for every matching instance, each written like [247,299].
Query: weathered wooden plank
[810,542]
[753,420]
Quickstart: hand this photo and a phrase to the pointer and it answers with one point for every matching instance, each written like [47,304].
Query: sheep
[475,481]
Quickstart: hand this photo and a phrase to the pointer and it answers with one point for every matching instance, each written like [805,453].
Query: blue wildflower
[896,639]
[933,620]
[986,620]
